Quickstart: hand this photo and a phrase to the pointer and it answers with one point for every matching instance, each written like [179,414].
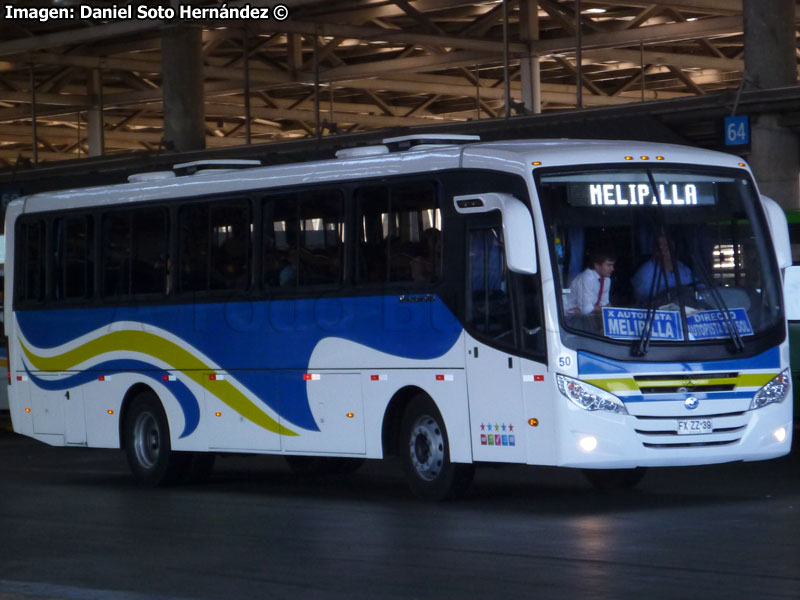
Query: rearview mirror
[518,233]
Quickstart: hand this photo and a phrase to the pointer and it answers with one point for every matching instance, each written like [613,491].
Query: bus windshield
[664,256]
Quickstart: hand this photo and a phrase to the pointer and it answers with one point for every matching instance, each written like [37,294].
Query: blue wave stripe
[185,398]
[279,335]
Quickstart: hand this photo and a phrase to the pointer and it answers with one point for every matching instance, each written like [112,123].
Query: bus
[793,221]
[411,299]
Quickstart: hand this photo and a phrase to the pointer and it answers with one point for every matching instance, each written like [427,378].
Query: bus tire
[425,452]
[614,479]
[147,443]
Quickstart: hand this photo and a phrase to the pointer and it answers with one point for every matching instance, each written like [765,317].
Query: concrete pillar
[530,73]
[182,63]
[770,62]
[775,160]
[95,114]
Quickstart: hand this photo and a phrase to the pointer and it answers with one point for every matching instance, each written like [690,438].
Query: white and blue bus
[411,299]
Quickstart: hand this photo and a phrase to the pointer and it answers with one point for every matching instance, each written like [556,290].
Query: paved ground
[74,525]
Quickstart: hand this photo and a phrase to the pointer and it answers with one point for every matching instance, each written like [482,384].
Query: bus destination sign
[629,324]
[640,194]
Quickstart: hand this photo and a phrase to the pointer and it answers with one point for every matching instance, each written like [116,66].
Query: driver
[662,267]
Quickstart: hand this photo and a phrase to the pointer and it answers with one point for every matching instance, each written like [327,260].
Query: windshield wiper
[733,331]
[641,347]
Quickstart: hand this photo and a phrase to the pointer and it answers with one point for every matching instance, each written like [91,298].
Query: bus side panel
[103,397]
[337,408]
[540,416]
[46,406]
[442,379]
[103,403]
[57,411]
[495,403]
[229,430]
[18,402]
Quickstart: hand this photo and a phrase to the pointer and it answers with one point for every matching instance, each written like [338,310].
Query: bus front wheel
[147,443]
[426,454]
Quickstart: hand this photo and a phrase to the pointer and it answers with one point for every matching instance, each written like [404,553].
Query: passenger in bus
[230,265]
[426,265]
[661,267]
[288,274]
[487,253]
[590,290]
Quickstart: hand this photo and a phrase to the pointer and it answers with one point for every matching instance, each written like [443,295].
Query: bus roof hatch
[428,139]
[217,164]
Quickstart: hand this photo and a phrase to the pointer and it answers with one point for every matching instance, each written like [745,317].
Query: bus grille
[672,384]
[662,432]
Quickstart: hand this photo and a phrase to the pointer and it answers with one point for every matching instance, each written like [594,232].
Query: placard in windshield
[629,323]
[711,324]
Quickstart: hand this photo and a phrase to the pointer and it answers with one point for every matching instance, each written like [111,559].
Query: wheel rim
[146,440]
[426,448]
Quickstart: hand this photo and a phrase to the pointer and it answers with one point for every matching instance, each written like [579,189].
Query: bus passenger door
[493,374]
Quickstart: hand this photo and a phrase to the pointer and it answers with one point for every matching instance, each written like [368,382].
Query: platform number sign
[737,131]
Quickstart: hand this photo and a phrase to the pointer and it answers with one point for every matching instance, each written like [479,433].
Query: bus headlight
[589,397]
[774,391]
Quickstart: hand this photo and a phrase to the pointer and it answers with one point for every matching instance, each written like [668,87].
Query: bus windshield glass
[662,256]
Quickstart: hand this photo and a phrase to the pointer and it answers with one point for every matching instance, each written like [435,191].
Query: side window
[303,237]
[400,234]
[488,300]
[150,251]
[116,252]
[215,244]
[73,258]
[193,247]
[231,233]
[134,247]
[531,314]
[30,280]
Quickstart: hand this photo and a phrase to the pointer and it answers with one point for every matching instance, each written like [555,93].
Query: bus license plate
[695,426]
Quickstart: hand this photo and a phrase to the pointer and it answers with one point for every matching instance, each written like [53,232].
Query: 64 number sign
[737,131]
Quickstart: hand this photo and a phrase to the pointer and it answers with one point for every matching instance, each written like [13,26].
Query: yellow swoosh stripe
[163,350]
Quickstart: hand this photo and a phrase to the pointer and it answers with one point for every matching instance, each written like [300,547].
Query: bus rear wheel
[425,453]
[147,443]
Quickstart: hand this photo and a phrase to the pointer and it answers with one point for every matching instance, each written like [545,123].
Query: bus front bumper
[603,440]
